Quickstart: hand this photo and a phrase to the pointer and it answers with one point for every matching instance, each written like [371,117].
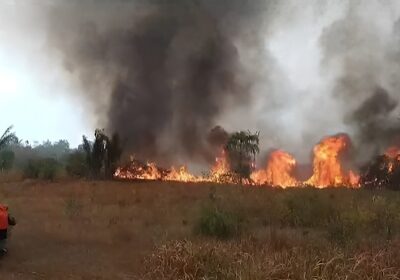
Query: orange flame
[181,175]
[221,165]
[393,155]
[327,169]
[279,171]
[393,152]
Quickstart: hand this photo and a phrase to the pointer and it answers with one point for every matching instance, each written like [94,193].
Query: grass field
[153,230]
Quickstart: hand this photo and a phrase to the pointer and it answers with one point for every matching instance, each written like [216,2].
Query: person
[6,220]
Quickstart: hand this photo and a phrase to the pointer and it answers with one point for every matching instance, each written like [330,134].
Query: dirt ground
[92,230]
[106,230]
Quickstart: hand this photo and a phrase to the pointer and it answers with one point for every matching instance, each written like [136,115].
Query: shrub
[32,169]
[49,168]
[218,223]
[344,229]
[385,220]
[7,158]
[76,165]
[309,209]
[41,168]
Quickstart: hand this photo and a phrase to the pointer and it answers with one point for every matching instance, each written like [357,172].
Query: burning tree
[103,154]
[242,148]
[383,171]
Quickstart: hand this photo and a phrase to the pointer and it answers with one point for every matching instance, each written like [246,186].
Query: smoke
[160,73]
[361,51]
[163,74]
[376,127]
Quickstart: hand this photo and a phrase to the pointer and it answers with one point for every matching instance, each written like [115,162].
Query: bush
[41,168]
[345,228]
[218,223]
[76,165]
[309,209]
[49,168]
[31,169]
[7,158]
[385,220]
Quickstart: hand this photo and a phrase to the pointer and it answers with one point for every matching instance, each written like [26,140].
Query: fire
[393,156]
[221,167]
[181,175]
[393,152]
[139,171]
[279,171]
[327,168]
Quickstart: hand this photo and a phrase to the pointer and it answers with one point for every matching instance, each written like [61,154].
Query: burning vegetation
[236,165]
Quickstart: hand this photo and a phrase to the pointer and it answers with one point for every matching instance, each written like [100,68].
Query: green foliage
[32,169]
[242,148]
[306,209]
[114,148]
[385,219]
[76,165]
[45,169]
[103,155]
[7,137]
[49,168]
[55,150]
[343,216]
[7,158]
[24,152]
[218,223]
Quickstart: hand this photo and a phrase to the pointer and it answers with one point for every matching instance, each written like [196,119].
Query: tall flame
[279,170]
[327,168]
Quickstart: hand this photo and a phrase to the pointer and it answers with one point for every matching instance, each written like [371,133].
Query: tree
[114,152]
[7,137]
[6,160]
[76,164]
[103,155]
[242,148]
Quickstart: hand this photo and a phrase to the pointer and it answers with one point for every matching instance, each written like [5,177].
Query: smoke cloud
[361,48]
[160,73]
[163,74]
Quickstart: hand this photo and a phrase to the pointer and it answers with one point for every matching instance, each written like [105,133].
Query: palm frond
[7,137]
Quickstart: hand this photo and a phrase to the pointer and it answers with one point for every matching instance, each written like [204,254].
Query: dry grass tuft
[250,260]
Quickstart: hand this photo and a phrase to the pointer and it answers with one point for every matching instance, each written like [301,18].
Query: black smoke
[159,72]
[363,58]
[375,123]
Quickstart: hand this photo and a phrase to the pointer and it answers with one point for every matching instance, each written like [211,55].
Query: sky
[33,86]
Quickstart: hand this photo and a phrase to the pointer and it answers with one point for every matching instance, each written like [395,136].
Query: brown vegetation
[153,230]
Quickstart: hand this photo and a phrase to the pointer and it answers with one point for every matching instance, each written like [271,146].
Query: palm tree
[7,137]
[103,154]
[242,146]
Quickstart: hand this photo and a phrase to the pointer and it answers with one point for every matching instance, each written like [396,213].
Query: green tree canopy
[242,147]
[7,137]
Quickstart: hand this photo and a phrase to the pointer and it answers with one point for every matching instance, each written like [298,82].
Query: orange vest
[3,218]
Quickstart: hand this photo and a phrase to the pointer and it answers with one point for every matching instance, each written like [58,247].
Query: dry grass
[105,230]
[250,260]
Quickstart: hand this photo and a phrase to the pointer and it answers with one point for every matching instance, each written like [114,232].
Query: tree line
[99,158]
[96,159]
